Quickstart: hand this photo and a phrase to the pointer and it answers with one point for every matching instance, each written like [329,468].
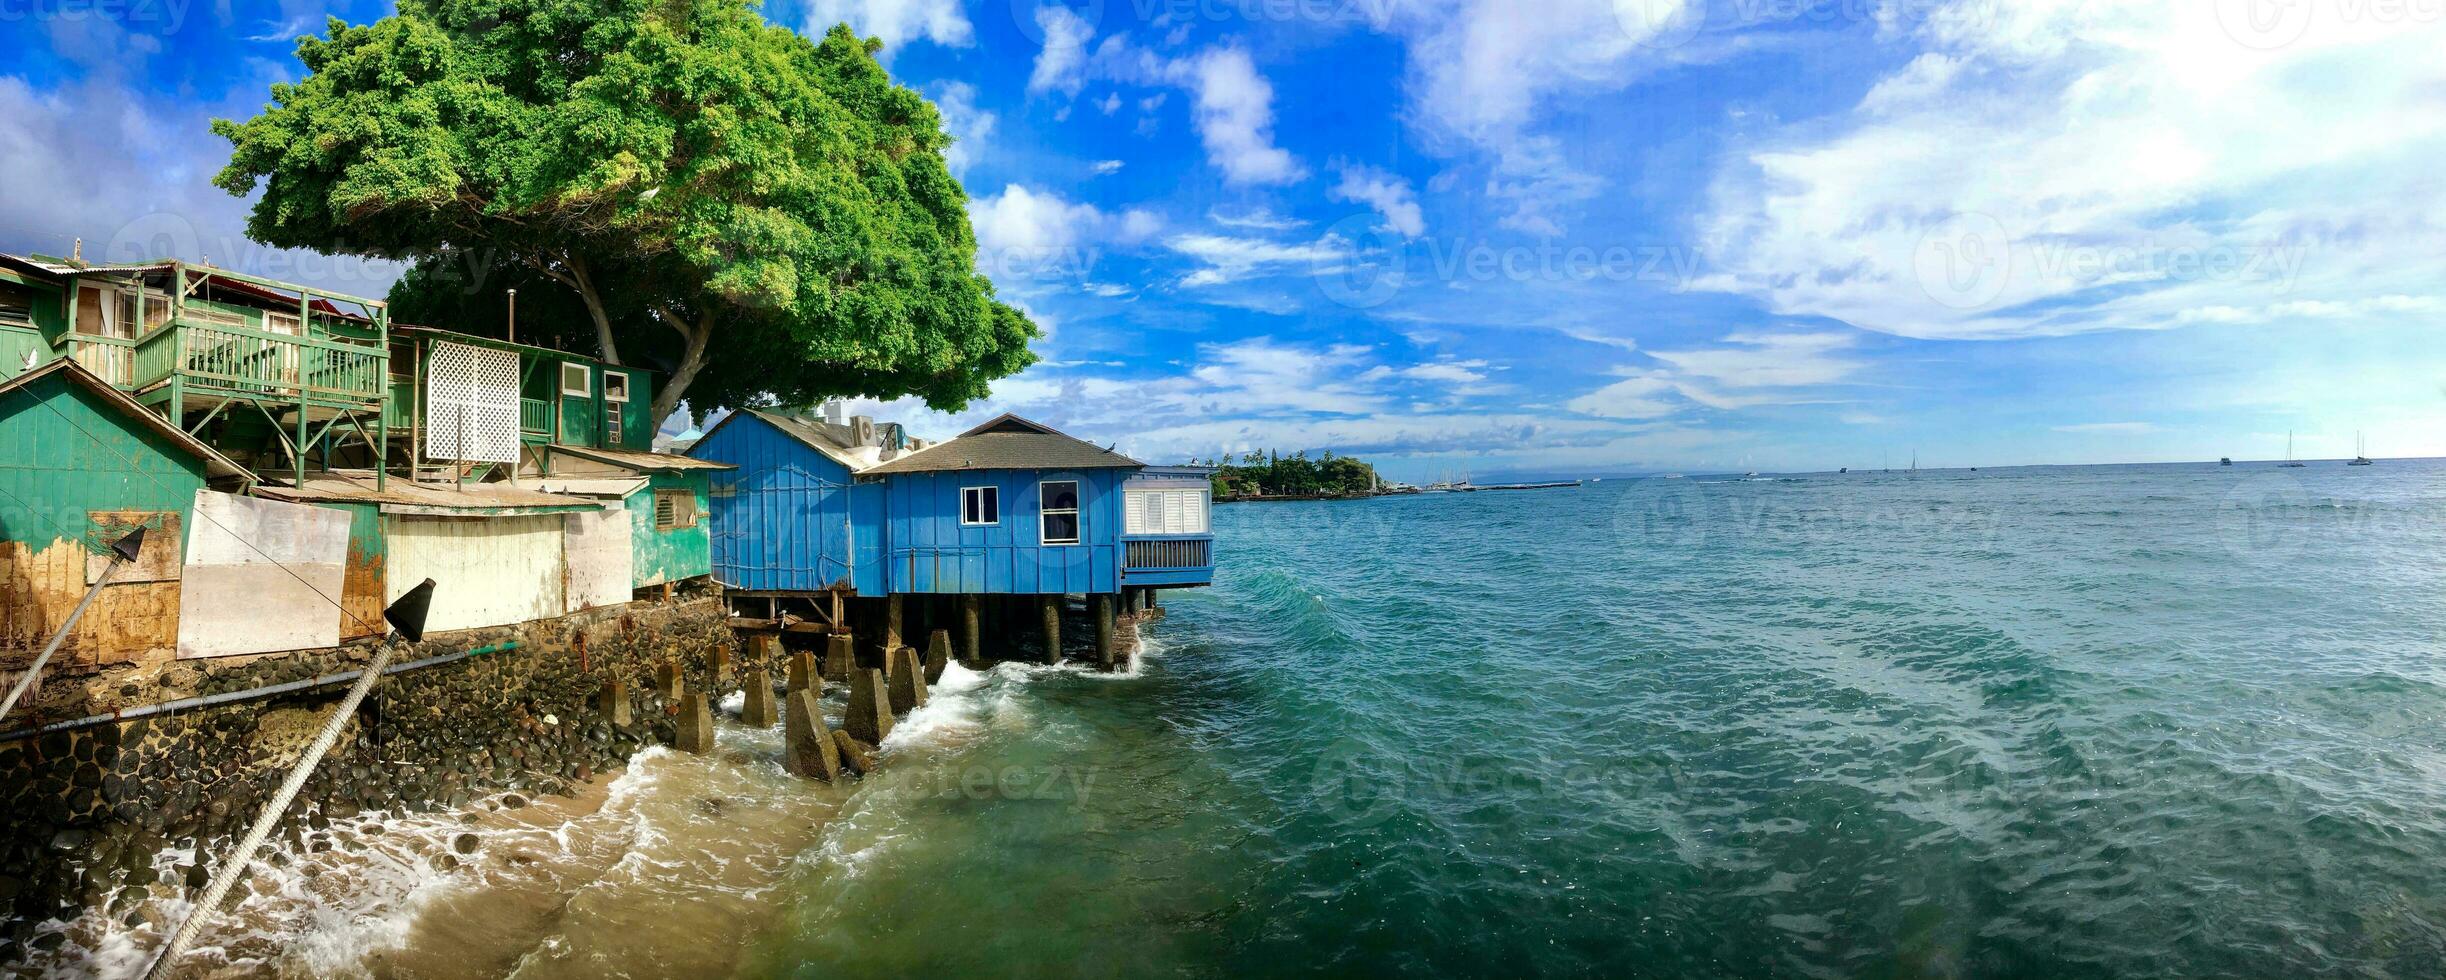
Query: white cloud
[1261,219]
[1482,72]
[1111,103]
[1106,167]
[1387,192]
[1630,398]
[2055,168]
[1061,64]
[1767,360]
[1027,233]
[1230,259]
[1234,110]
[967,124]
[895,21]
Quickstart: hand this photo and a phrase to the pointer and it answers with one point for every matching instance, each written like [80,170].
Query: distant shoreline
[1286,497]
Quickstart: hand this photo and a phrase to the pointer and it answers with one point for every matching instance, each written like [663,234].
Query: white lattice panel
[471,404]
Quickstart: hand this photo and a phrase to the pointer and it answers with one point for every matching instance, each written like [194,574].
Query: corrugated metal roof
[215,464]
[809,433]
[474,500]
[1008,443]
[641,461]
[592,486]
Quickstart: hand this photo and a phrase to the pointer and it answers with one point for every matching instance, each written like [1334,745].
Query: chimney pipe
[513,316]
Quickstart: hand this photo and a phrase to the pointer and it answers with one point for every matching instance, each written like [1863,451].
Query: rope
[265,818]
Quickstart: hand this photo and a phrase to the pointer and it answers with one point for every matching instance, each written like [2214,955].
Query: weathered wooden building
[359,459]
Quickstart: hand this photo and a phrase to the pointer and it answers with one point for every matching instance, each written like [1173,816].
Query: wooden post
[972,638]
[1053,627]
[1104,629]
[891,624]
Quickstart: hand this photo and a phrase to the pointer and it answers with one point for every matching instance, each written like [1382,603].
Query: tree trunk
[594,308]
[691,361]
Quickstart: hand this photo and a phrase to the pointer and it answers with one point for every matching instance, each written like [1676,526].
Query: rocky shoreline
[88,809]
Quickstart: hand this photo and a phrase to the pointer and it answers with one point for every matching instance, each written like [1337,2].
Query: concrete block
[840,658]
[808,748]
[695,724]
[613,702]
[907,680]
[802,672]
[938,656]
[758,712]
[668,680]
[870,707]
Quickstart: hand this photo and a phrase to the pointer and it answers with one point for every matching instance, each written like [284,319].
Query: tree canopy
[667,183]
[1272,474]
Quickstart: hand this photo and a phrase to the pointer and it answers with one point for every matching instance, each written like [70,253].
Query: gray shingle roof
[1008,443]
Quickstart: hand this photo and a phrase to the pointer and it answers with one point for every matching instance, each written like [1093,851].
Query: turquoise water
[2162,720]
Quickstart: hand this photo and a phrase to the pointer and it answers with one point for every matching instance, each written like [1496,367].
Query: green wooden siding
[65,451]
[673,555]
[15,344]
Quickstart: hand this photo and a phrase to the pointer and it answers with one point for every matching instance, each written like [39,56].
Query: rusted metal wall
[362,592]
[75,473]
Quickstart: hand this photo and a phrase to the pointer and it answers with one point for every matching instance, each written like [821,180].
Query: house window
[674,509]
[1058,508]
[980,505]
[615,386]
[287,323]
[577,380]
[1180,511]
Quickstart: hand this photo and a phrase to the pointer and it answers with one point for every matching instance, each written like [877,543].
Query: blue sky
[1569,237]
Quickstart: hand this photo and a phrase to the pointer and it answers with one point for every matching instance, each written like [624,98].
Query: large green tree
[673,183]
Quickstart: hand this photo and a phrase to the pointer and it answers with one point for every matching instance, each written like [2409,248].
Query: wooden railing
[535,416]
[258,362]
[110,358]
[1177,553]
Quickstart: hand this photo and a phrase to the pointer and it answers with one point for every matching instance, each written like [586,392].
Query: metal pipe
[35,670]
[235,865]
[250,694]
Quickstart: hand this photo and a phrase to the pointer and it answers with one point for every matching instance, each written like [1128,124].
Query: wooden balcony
[213,362]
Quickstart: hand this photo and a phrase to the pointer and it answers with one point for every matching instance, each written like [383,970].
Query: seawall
[83,811]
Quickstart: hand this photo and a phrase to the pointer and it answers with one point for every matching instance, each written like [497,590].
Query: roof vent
[836,411]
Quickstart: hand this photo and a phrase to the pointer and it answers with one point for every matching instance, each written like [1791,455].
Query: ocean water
[2164,720]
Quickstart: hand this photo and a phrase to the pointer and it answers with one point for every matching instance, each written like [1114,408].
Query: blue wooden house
[1009,508]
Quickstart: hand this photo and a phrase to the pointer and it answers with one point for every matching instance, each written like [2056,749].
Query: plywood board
[261,576]
[600,558]
[486,571]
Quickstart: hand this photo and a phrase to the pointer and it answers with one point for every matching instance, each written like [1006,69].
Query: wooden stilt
[1104,629]
[891,623]
[972,639]
[1053,627]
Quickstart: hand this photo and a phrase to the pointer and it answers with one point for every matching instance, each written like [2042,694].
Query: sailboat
[2361,452]
[2290,463]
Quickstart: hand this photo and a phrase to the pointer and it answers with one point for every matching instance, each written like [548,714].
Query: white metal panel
[471,404]
[599,556]
[261,576]
[489,571]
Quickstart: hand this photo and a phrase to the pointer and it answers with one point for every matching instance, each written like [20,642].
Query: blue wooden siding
[930,551]
[781,521]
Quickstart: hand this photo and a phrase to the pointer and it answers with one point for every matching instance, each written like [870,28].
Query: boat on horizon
[2290,463]
[2361,452]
